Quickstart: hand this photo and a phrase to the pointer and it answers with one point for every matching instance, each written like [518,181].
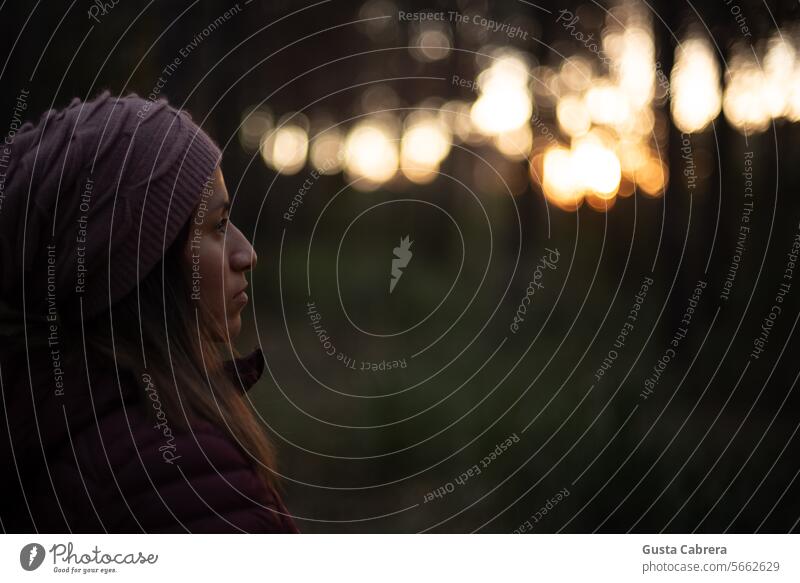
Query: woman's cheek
[214,282]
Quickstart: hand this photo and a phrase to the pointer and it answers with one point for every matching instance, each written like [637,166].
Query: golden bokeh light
[573,116]
[516,144]
[507,68]
[505,102]
[576,73]
[696,94]
[371,153]
[455,115]
[745,104]
[607,105]
[632,156]
[255,124]
[589,168]
[431,44]
[793,105]
[425,143]
[634,66]
[756,93]
[501,110]
[327,151]
[596,167]
[599,203]
[285,149]
[558,179]
[779,69]
[653,177]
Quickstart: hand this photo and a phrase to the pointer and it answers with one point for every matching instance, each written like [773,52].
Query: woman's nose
[243,257]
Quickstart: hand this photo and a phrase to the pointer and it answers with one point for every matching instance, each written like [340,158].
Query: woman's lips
[241,298]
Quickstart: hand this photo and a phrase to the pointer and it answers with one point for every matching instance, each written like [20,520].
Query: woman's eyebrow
[226,206]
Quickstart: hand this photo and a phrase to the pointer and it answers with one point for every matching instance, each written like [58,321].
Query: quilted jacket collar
[246,370]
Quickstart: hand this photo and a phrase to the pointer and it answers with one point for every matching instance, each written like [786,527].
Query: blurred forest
[524,310]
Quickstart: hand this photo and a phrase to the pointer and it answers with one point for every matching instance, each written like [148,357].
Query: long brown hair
[160,330]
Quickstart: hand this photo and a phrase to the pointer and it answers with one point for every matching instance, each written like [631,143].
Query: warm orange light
[696,95]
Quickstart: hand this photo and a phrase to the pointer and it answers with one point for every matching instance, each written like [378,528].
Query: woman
[122,285]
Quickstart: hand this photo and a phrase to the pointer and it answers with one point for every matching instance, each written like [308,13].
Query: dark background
[712,449]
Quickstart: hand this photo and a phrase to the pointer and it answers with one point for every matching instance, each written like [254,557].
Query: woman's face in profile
[218,256]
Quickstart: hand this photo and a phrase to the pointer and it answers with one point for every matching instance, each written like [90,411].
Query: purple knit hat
[92,197]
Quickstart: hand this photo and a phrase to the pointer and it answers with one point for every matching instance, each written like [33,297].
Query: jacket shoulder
[144,477]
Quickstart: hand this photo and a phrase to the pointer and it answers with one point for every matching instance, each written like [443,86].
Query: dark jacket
[109,473]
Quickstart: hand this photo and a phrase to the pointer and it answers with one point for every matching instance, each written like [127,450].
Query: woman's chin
[229,330]
[234,327]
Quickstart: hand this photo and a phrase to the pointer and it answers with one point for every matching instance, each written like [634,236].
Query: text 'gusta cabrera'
[684,550]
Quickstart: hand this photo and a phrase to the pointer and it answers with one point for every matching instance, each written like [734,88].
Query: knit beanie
[90,199]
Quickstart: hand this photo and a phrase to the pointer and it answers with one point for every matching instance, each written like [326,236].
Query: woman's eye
[222,225]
